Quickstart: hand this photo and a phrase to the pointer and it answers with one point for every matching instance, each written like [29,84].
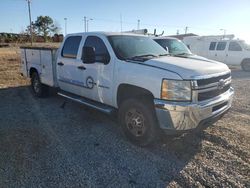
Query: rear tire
[38,89]
[245,65]
[138,121]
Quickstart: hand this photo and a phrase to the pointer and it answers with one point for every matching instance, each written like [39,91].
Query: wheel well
[126,91]
[32,70]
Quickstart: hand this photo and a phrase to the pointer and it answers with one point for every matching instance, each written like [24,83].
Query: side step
[96,105]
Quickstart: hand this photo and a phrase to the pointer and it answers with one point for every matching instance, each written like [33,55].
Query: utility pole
[65,26]
[224,32]
[138,24]
[121,21]
[31,32]
[85,23]
[88,23]
[186,29]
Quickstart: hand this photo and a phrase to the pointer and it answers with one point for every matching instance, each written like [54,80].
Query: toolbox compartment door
[47,67]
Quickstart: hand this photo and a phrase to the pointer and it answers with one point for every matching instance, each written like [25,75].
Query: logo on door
[90,82]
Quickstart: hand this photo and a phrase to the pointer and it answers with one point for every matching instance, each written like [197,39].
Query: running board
[98,106]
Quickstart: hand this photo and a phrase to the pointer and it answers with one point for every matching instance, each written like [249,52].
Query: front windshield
[127,47]
[175,47]
[245,45]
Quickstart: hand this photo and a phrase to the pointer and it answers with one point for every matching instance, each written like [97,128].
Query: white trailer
[221,48]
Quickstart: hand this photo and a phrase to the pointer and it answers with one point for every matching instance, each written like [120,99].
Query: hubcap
[135,122]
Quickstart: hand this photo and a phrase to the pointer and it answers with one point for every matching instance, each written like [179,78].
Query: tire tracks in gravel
[44,124]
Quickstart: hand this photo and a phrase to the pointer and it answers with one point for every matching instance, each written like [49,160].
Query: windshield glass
[245,45]
[175,47]
[126,46]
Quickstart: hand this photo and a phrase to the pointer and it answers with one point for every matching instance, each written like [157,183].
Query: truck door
[70,69]
[220,53]
[234,53]
[99,75]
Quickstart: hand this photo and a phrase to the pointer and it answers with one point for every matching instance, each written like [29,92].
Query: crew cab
[135,77]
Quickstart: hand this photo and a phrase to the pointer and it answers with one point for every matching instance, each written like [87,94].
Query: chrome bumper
[188,115]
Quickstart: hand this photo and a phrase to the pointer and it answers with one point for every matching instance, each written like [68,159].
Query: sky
[202,17]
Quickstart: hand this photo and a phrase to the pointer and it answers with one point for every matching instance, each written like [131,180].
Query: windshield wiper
[145,55]
[167,54]
[141,57]
[182,54]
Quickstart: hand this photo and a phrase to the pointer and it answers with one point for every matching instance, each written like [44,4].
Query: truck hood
[189,67]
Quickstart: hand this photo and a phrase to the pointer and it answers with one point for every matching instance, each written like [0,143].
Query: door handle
[81,67]
[60,64]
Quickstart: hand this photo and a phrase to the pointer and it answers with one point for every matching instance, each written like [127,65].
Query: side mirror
[166,48]
[103,58]
[88,55]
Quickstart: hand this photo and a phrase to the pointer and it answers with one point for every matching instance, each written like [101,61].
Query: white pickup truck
[134,76]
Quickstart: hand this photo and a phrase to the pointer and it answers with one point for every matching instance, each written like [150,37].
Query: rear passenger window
[234,46]
[221,46]
[212,46]
[71,46]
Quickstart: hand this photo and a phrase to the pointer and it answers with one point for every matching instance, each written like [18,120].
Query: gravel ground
[46,144]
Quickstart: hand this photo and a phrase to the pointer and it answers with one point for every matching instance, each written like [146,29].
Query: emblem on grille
[221,84]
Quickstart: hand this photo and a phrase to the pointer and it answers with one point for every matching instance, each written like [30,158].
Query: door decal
[89,84]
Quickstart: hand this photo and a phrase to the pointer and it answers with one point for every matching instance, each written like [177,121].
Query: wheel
[245,65]
[39,89]
[138,121]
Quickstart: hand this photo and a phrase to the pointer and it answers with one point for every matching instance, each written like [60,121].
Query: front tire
[245,65]
[38,89]
[138,121]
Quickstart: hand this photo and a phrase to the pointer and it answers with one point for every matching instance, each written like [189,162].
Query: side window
[234,46]
[71,46]
[221,46]
[101,50]
[212,46]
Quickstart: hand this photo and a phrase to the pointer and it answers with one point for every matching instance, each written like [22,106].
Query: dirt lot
[43,144]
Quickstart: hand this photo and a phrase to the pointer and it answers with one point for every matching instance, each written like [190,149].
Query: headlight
[176,90]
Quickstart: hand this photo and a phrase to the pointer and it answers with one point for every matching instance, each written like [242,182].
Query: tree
[45,26]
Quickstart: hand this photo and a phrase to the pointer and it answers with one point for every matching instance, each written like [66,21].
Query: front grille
[207,81]
[212,93]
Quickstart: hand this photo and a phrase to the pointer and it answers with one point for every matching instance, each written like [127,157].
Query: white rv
[225,49]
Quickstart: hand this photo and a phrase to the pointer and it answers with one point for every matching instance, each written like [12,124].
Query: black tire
[245,65]
[135,114]
[38,89]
